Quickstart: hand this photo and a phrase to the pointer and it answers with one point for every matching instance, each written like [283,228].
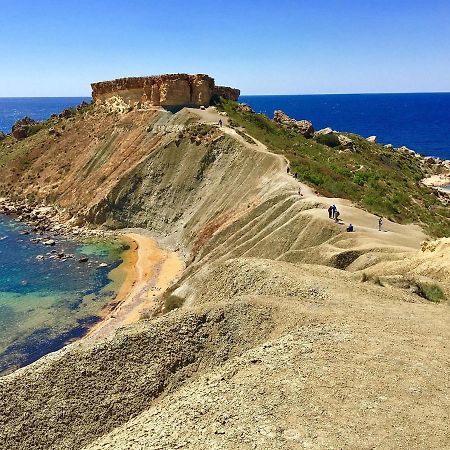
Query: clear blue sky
[57,47]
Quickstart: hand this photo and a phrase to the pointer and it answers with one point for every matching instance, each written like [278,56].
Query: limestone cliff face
[163,90]
[227,92]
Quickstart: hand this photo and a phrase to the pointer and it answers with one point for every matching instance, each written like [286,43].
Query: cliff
[168,90]
[227,93]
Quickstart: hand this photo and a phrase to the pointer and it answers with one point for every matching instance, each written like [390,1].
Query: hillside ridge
[284,330]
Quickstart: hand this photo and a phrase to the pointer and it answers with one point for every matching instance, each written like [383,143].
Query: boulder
[345,141]
[389,146]
[2,135]
[303,127]
[20,128]
[50,242]
[326,130]
[372,139]
[243,107]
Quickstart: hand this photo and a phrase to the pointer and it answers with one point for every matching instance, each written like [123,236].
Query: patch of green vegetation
[383,181]
[431,292]
[200,129]
[246,137]
[330,140]
[33,129]
[172,302]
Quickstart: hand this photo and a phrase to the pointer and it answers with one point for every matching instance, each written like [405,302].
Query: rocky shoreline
[48,226]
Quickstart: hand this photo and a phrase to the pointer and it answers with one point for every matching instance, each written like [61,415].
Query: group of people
[333,213]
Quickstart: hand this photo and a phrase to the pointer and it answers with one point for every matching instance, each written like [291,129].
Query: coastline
[145,273]
[440,182]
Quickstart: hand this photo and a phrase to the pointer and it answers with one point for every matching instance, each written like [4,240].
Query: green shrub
[330,140]
[431,292]
[172,302]
[33,129]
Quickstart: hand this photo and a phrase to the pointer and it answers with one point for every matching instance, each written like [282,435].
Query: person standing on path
[380,223]
[330,212]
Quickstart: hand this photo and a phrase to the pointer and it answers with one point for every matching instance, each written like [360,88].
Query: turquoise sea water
[46,303]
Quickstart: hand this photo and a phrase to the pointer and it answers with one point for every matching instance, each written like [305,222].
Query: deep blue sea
[45,303]
[38,108]
[419,121]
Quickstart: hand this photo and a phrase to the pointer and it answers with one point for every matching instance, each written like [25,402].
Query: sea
[421,122]
[47,303]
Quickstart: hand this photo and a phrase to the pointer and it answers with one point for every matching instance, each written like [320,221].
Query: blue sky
[56,48]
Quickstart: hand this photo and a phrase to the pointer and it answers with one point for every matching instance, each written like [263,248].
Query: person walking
[380,223]
[334,211]
[336,216]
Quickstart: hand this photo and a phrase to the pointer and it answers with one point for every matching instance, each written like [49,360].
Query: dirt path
[148,272]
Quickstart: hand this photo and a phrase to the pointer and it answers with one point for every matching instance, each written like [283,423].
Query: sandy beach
[440,182]
[145,273]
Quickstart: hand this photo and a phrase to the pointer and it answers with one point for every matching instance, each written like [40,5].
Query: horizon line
[261,95]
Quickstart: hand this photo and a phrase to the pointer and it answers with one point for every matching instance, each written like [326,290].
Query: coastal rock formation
[324,131]
[2,136]
[21,127]
[345,141]
[244,107]
[304,127]
[227,92]
[171,90]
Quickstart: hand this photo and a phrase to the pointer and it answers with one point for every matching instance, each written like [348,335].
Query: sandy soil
[146,272]
[438,181]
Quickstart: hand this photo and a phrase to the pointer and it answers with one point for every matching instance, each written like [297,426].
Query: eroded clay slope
[291,332]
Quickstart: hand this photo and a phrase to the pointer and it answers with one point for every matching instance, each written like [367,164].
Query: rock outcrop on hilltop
[21,127]
[304,127]
[170,90]
[227,92]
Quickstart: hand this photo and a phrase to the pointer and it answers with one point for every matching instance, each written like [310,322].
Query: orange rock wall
[163,90]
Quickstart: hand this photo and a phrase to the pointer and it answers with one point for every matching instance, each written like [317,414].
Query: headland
[283,326]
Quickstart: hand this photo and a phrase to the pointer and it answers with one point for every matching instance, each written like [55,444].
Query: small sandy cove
[145,273]
[437,181]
